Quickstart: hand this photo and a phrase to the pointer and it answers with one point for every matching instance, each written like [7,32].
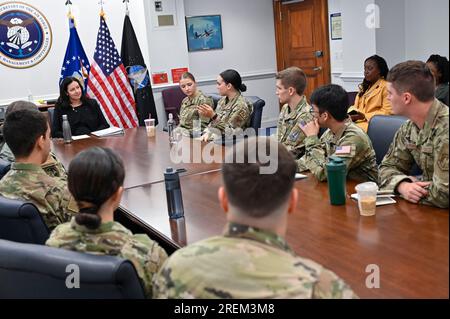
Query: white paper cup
[150,127]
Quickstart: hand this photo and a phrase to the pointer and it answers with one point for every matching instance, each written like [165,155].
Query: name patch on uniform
[343,150]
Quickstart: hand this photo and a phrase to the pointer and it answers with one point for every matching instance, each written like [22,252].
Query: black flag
[137,74]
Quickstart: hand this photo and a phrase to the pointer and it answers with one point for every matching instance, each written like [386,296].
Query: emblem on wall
[25,35]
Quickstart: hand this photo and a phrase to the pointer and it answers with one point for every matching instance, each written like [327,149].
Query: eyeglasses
[311,110]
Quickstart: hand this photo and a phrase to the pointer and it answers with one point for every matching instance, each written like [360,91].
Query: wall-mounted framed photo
[336,26]
[204,33]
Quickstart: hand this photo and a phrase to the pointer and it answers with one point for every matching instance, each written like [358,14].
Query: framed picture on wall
[336,26]
[204,33]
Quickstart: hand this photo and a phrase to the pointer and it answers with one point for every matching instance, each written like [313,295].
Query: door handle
[317,69]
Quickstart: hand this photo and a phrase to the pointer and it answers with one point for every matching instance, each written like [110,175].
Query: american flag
[108,82]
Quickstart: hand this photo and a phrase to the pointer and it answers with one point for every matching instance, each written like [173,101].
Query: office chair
[172,98]
[381,131]
[21,222]
[37,271]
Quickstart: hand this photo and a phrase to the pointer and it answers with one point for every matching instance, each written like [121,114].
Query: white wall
[408,29]
[391,36]
[42,80]
[427,24]
[248,47]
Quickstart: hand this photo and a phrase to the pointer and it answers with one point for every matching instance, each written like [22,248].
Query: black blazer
[83,119]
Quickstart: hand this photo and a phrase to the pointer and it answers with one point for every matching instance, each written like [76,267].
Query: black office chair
[4,167]
[37,271]
[21,222]
[381,131]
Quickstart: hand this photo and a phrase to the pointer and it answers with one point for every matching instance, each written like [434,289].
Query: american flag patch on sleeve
[343,150]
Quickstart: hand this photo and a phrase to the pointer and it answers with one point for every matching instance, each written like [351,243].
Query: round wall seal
[25,35]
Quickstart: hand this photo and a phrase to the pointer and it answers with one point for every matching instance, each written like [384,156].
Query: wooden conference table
[409,243]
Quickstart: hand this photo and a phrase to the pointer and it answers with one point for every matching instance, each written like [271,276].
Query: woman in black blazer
[83,113]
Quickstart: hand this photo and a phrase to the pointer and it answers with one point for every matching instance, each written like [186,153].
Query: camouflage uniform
[428,147]
[189,113]
[288,132]
[53,167]
[360,160]
[231,114]
[111,238]
[245,263]
[29,182]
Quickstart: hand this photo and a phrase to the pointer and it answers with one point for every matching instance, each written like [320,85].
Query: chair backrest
[38,271]
[4,167]
[258,105]
[21,222]
[351,98]
[381,131]
[172,98]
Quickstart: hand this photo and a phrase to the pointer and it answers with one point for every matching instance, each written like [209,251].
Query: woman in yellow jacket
[372,97]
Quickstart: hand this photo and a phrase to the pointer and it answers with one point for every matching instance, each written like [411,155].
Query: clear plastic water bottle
[170,128]
[67,132]
[173,193]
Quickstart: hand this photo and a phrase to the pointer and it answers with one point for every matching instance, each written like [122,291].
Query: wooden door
[302,39]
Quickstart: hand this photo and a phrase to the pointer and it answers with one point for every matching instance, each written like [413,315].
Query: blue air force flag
[75,62]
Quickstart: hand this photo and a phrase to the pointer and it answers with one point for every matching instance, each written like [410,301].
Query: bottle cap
[169,170]
[64,116]
[170,116]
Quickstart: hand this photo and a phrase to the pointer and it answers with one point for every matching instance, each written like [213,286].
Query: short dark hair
[414,77]
[441,63]
[234,78]
[94,176]
[20,105]
[293,77]
[254,194]
[21,130]
[331,98]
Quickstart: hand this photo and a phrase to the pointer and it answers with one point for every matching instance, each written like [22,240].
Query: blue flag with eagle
[75,62]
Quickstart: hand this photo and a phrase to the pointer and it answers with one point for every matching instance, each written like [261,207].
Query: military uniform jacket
[189,113]
[288,130]
[231,115]
[112,239]
[428,147]
[245,263]
[29,182]
[53,167]
[351,143]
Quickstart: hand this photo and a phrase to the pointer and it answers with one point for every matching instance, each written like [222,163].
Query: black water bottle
[173,193]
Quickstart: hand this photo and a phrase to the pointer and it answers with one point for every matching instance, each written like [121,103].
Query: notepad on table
[110,131]
[80,137]
[382,199]
[300,176]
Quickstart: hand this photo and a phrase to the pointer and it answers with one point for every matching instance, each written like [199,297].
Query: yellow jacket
[373,102]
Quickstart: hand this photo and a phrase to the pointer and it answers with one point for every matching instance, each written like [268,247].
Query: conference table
[406,244]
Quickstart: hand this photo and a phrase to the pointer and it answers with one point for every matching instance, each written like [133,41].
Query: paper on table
[381,199]
[80,137]
[300,176]
[109,131]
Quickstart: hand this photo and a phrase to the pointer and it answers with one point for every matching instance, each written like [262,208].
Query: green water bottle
[336,174]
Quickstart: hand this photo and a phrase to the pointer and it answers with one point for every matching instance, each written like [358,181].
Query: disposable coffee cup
[150,127]
[367,198]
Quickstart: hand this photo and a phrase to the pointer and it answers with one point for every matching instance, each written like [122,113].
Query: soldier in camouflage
[422,140]
[95,179]
[188,111]
[53,167]
[290,86]
[251,259]
[28,134]
[342,138]
[233,113]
